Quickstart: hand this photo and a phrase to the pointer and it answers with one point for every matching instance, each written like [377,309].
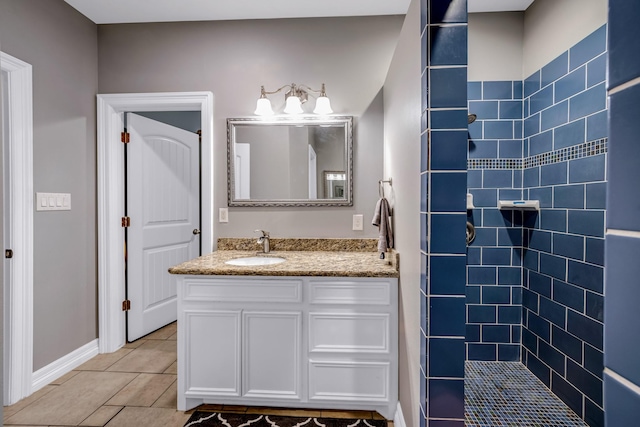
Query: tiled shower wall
[560,248]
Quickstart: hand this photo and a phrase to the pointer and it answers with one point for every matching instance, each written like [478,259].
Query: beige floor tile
[153,356]
[102,416]
[163,333]
[144,390]
[66,377]
[173,369]
[173,337]
[102,361]
[149,417]
[72,402]
[169,398]
[8,411]
[135,344]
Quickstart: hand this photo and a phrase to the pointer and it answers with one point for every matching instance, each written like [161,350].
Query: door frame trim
[111,273]
[20,301]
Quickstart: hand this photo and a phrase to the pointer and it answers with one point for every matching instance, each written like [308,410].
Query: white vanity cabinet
[307,342]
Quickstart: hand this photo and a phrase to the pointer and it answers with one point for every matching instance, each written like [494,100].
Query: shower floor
[508,394]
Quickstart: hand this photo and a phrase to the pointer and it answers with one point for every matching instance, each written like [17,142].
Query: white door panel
[163,193]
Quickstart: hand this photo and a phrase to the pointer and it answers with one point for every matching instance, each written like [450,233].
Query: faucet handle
[264,233]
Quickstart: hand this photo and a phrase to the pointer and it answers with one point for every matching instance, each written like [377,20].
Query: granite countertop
[331,263]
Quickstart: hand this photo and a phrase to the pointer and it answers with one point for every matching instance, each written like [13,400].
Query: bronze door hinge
[125,137]
[126,305]
[126,221]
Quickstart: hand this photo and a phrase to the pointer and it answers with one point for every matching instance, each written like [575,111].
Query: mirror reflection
[290,162]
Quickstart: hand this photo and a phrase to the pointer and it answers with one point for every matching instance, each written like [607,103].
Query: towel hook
[381,186]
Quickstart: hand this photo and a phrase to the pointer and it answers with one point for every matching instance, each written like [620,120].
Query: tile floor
[135,386]
[508,394]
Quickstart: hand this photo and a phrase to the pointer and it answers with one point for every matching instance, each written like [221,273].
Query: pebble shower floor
[507,394]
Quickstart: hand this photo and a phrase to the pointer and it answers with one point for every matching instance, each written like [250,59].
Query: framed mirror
[290,161]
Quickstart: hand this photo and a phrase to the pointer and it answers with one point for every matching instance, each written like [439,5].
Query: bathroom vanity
[318,330]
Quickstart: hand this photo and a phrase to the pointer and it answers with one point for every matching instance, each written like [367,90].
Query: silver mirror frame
[346,121]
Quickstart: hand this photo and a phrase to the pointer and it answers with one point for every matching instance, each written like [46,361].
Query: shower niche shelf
[530,205]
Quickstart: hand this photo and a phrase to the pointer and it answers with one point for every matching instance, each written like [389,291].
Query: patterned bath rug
[221,419]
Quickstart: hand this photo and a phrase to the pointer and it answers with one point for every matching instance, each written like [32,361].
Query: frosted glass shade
[323,106]
[263,107]
[294,106]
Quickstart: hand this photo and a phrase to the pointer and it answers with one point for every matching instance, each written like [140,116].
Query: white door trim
[21,198]
[111,107]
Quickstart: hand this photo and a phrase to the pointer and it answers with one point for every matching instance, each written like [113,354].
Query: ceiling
[129,11]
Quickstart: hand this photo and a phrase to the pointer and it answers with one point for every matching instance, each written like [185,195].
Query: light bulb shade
[323,106]
[294,106]
[263,107]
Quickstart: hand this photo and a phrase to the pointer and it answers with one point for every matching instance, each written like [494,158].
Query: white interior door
[163,193]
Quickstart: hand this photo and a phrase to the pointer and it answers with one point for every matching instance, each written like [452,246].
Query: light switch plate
[223,215]
[53,201]
[358,222]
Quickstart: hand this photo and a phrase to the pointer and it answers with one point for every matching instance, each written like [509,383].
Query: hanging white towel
[382,219]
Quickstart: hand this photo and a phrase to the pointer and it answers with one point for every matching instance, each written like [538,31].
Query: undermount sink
[255,261]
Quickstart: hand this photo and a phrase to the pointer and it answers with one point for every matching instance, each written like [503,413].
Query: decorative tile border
[587,149]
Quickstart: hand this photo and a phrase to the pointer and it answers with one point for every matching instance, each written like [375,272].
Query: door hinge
[126,221]
[125,137]
[8,253]
[126,305]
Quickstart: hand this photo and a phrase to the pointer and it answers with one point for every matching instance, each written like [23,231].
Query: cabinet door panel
[352,333]
[271,354]
[213,352]
[349,381]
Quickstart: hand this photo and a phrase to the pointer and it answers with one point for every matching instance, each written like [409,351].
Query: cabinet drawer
[243,290]
[350,292]
[349,381]
[349,333]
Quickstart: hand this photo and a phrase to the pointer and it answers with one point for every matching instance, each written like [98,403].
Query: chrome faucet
[264,241]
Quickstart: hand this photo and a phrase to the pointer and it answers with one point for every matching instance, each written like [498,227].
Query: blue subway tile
[588,48]
[517,129]
[483,149]
[529,341]
[567,393]
[541,100]
[448,86]
[448,46]
[423,233]
[566,343]
[553,219]
[539,326]
[424,185]
[569,134]
[474,91]
[568,295]
[446,398]
[509,352]
[532,84]
[553,266]
[555,69]
[474,178]
[449,150]
[586,329]
[497,218]
[446,358]
[569,196]
[511,109]
[588,223]
[497,90]
[509,314]
[448,233]
[448,191]
[449,119]
[594,252]
[449,11]
[446,316]
[496,295]
[424,152]
[498,129]
[540,284]
[553,174]
[552,357]
[588,102]
[496,256]
[622,402]
[447,275]
[496,334]
[556,115]
[593,360]
[541,143]
[624,37]
[530,300]
[424,56]
[518,86]
[424,264]
[587,169]
[597,70]
[540,240]
[424,80]
[585,381]
[595,306]
[597,126]
[485,237]
[510,237]
[472,333]
[483,352]
[475,130]
[531,177]
[553,312]
[482,275]
[569,246]
[498,178]
[473,294]
[531,219]
[483,198]
[593,414]
[510,149]
[484,109]
[570,84]
[586,276]
[481,314]
[532,125]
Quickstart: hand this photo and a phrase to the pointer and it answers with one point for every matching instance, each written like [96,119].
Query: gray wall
[402,106]
[233,59]
[61,45]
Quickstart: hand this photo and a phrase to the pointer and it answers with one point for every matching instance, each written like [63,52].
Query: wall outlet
[358,222]
[223,215]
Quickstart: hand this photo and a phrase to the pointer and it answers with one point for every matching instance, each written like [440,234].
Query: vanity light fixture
[294,97]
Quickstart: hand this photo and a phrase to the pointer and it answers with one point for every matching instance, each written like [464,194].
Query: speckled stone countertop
[331,263]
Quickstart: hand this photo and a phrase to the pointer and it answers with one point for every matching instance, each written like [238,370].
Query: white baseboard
[65,364]
[398,419]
